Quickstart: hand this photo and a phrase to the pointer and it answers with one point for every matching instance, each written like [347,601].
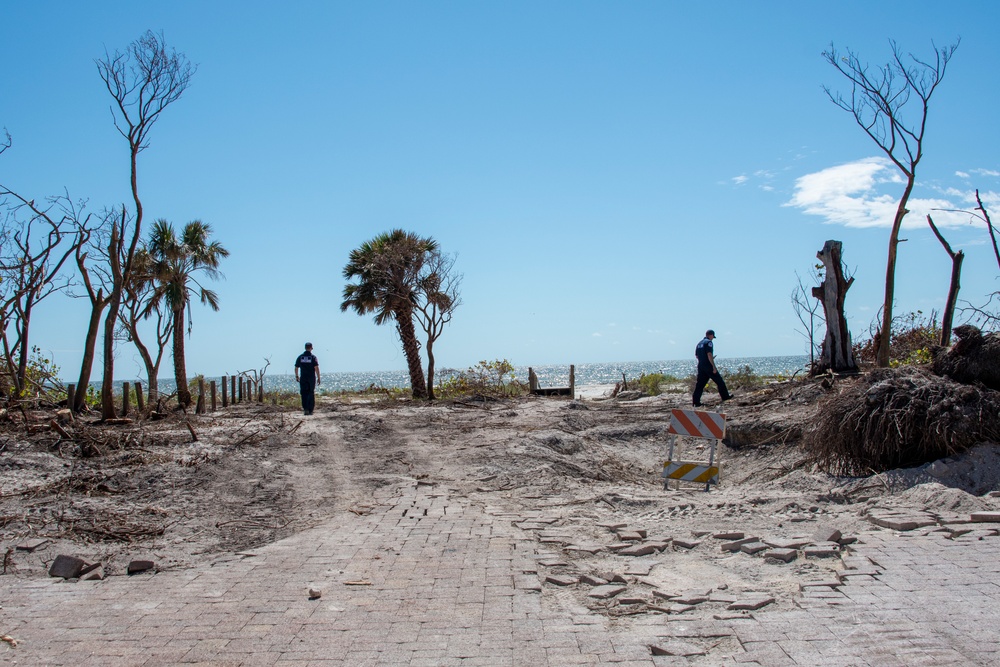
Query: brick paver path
[426,579]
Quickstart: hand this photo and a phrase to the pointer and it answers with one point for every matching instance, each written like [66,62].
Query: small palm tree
[387,269]
[176,263]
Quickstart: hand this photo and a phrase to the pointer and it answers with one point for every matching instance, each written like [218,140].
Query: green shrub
[651,384]
[487,378]
[284,398]
[913,335]
[743,378]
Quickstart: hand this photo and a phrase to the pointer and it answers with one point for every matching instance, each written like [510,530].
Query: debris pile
[898,418]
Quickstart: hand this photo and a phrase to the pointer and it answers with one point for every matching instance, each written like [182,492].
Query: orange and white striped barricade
[694,424]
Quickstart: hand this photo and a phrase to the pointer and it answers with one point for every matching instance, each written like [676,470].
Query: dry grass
[898,418]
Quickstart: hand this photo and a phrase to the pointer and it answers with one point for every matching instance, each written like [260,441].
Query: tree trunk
[890,276]
[21,381]
[430,369]
[90,345]
[108,410]
[836,352]
[180,370]
[411,348]
[949,307]
[953,287]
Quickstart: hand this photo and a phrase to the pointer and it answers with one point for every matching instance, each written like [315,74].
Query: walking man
[307,375]
[705,353]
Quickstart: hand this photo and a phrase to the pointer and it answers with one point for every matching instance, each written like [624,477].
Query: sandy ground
[257,473]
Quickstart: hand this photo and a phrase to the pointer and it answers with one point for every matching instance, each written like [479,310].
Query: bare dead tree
[953,287]
[92,263]
[438,295]
[35,242]
[985,216]
[837,353]
[986,314]
[38,241]
[143,81]
[809,313]
[255,378]
[878,101]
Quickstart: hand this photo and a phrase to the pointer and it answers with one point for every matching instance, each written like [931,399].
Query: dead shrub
[898,418]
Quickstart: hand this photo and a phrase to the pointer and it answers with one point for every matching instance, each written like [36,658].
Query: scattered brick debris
[784,555]
[32,545]
[137,566]
[677,648]
[606,592]
[751,603]
[560,580]
[67,567]
[737,543]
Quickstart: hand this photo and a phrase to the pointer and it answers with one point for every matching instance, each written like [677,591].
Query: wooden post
[70,396]
[140,401]
[532,381]
[232,388]
[200,409]
[225,397]
[212,391]
[240,398]
[572,381]
[125,396]
[260,392]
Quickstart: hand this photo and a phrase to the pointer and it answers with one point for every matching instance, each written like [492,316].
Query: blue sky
[615,177]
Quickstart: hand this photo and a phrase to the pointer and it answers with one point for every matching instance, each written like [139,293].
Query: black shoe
[697,405]
[728,398]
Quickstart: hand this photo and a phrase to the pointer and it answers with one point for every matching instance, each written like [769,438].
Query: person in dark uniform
[705,353]
[307,375]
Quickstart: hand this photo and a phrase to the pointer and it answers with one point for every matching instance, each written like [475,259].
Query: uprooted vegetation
[974,358]
[897,418]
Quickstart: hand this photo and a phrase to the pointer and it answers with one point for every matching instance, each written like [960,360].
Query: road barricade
[699,425]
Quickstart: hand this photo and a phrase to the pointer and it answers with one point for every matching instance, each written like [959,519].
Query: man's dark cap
[309,344]
[710,332]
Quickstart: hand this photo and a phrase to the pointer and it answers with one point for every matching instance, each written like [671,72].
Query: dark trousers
[308,390]
[704,375]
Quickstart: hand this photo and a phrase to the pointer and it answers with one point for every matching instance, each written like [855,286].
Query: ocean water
[551,375]
[554,375]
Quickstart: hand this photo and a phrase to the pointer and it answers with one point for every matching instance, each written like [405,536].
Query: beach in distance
[591,379]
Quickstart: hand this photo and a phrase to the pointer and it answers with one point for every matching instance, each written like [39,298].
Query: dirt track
[257,474]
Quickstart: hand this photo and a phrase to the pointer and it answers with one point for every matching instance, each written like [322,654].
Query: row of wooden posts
[239,389]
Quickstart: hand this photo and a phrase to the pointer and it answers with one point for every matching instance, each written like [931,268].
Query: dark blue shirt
[307,363]
[703,349]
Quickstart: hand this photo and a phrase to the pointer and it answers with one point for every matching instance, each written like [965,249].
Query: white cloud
[596,334]
[741,179]
[855,195]
[962,174]
[986,172]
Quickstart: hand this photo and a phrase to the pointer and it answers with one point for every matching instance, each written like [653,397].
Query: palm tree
[176,263]
[388,272]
